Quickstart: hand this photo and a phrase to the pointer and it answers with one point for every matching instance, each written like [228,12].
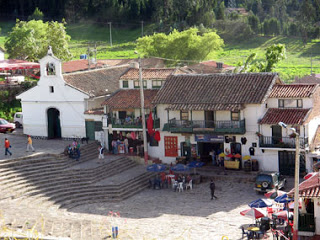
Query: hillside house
[67,106]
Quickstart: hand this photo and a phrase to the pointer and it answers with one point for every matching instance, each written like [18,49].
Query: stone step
[92,176]
[112,191]
[80,185]
[123,191]
[20,189]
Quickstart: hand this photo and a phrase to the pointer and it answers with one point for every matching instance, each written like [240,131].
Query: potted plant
[259,134]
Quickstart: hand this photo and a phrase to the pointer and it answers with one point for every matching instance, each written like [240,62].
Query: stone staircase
[56,180]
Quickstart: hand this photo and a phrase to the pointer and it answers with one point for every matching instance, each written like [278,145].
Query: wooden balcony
[202,126]
[281,142]
[134,123]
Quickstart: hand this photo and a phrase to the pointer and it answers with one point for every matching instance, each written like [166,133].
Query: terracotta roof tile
[287,115]
[98,82]
[79,65]
[130,98]
[314,78]
[95,111]
[309,188]
[149,73]
[292,90]
[216,91]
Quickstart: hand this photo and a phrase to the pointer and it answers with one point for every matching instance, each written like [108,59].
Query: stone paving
[151,214]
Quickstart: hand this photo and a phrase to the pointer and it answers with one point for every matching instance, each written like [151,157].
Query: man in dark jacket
[212,188]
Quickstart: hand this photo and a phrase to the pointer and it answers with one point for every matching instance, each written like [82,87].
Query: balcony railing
[281,142]
[202,126]
[306,222]
[134,123]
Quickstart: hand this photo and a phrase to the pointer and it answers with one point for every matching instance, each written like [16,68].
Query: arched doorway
[54,128]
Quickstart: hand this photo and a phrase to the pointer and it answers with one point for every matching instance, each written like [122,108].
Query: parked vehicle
[5,126]
[18,119]
[267,181]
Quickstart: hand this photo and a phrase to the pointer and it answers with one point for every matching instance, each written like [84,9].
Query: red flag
[150,125]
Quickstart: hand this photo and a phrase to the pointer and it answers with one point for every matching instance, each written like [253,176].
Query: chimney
[219,65]
[134,65]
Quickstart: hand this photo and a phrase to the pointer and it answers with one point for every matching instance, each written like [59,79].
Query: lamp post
[296,182]
[144,131]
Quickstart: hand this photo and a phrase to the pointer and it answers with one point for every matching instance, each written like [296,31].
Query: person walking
[126,145]
[212,189]
[7,146]
[101,156]
[29,144]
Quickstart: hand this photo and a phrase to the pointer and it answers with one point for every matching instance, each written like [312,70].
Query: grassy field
[84,35]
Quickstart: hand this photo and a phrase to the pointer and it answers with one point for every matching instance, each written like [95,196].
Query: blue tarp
[180,168]
[156,168]
[195,164]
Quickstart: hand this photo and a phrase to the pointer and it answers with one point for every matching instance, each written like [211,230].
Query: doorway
[276,134]
[209,119]
[54,127]
[204,149]
[287,163]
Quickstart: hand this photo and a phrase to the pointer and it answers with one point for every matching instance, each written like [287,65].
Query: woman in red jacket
[7,146]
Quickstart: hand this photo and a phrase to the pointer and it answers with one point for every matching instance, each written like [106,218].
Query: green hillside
[298,62]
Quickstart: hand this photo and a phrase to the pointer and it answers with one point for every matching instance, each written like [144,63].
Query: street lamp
[296,183]
[144,131]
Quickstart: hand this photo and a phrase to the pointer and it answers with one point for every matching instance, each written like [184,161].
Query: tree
[253,21]
[274,54]
[187,45]
[220,13]
[30,40]
[36,15]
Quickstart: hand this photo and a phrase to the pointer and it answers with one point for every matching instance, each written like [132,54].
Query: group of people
[73,150]
[161,181]
[7,145]
[116,144]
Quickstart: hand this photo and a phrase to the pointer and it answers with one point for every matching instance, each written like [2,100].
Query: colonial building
[220,112]
[296,105]
[123,108]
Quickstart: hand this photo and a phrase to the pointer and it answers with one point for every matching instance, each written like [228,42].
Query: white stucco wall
[36,122]
[306,102]
[1,55]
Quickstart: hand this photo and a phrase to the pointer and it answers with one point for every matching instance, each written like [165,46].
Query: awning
[14,64]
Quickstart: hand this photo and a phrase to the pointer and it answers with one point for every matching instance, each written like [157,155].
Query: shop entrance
[204,149]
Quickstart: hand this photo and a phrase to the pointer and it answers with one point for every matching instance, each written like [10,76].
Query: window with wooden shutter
[171,146]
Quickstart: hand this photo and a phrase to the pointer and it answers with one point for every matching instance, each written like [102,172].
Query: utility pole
[110,34]
[95,54]
[88,56]
[144,130]
[141,28]
[311,63]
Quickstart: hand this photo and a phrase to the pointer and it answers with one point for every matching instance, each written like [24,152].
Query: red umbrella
[150,125]
[253,213]
[283,214]
[274,193]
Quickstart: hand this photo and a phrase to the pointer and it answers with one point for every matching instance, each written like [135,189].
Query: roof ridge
[96,70]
